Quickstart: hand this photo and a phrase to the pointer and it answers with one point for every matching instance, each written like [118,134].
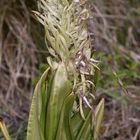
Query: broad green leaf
[61,87]
[35,130]
[64,123]
[68,109]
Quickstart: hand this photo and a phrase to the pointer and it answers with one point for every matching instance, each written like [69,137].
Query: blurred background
[116,28]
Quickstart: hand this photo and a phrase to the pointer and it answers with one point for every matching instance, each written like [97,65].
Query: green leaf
[77,121]
[61,87]
[85,130]
[99,112]
[64,123]
[35,130]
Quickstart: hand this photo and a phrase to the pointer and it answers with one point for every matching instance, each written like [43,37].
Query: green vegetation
[67,86]
[24,57]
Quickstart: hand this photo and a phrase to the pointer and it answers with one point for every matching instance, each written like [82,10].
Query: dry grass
[115,25]
[17,62]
